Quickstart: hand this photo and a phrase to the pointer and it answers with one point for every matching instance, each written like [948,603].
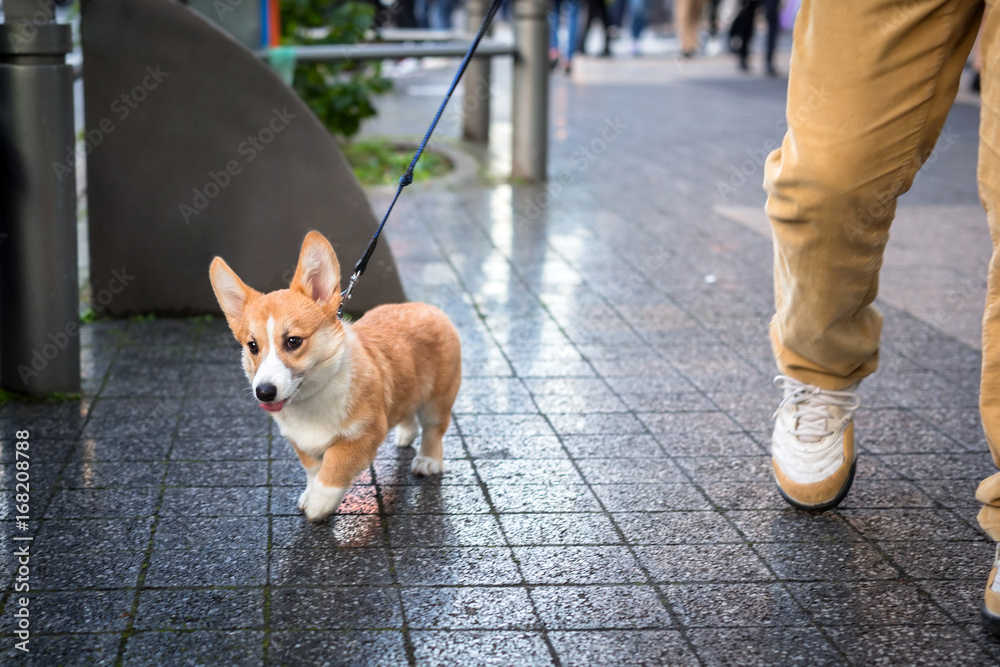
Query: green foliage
[54,397]
[380,162]
[338,93]
[62,397]
[88,316]
[9,396]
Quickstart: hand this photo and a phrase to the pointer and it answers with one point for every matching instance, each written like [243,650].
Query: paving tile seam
[656,287]
[524,584]
[924,594]
[408,646]
[267,587]
[35,524]
[674,617]
[684,472]
[628,259]
[673,614]
[662,598]
[148,554]
[484,489]
[669,362]
[461,282]
[488,628]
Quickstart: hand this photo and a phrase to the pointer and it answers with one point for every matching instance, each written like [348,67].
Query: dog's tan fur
[350,384]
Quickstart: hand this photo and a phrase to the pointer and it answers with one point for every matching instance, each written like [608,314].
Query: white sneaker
[812,447]
[990,610]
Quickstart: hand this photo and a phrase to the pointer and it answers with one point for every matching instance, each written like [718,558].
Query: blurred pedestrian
[637,19]
[977,65]
[713,17]
[596,9]
[572,15]
[741,32]
[434,14]
[687,18]
[870,87]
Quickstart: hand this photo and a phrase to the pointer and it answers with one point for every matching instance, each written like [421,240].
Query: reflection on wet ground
[608,498]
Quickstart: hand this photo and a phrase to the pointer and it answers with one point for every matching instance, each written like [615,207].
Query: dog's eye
[293,342]
[252,346]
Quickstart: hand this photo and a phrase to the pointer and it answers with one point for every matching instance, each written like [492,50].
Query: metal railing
[530,78]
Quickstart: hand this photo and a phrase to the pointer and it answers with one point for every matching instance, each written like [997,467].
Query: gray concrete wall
[197,149]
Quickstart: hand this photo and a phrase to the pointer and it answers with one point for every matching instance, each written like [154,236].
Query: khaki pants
[870,85]
[687,17]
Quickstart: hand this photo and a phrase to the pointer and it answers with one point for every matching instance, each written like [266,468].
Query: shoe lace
[812,407]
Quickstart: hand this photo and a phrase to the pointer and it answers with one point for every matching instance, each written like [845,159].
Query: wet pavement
[608,498]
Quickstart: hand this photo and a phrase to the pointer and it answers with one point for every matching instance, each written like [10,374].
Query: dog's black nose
[266,392]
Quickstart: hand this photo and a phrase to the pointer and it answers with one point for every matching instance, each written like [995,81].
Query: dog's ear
[318,273]
[232,293]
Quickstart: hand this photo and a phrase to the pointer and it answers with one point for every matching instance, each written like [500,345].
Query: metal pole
[39,321]
[530,123]
[476,98]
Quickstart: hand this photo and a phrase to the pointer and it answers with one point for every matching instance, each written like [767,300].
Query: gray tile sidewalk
[608,498]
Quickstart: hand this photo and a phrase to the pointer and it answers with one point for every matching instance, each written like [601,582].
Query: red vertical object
[274,22]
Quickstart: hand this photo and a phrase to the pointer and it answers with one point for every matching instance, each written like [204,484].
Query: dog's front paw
[425,465]
[406,433]
[321,501]
[302,499]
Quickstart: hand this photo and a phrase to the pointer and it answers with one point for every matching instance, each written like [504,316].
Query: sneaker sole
[991,622]
[828,505]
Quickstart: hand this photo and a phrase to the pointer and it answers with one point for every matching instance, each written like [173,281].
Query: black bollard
[39,300]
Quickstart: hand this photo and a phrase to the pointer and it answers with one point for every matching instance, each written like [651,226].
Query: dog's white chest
[313,439]
[314,425]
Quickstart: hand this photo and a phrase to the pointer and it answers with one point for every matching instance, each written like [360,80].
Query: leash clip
[345,296]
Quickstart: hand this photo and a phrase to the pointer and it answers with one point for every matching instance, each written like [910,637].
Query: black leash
[407,178]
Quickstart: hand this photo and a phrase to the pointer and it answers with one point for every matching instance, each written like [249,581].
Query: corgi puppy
[336,389]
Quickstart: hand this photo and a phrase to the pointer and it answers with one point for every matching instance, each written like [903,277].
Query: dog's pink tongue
[273,407]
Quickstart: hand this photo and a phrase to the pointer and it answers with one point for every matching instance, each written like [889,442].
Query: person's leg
[747,29]
[738,30]
[988,492]
[405,17]
[713,17]
[554,31]
[863,115]
[601,11]
[581,42]
[637,8]
[572,30]
[445,8]
[688,20]
[771,12]
[420,13]
[618,13]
